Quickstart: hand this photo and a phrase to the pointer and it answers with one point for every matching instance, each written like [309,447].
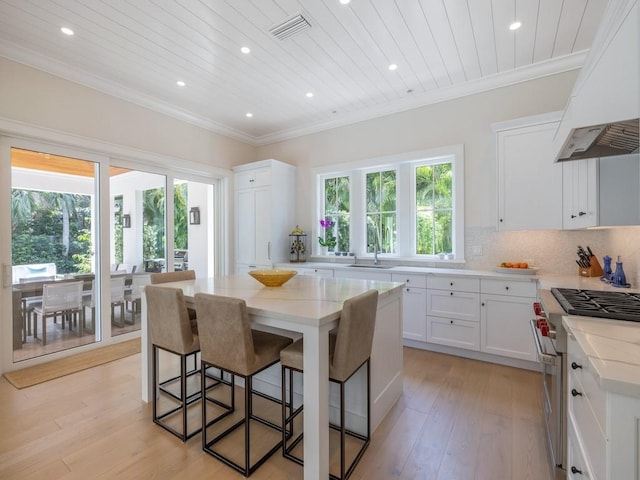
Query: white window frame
[379,169]
[406,210]
[317,232]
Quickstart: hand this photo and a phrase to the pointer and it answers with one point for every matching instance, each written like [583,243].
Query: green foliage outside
[153,234]
[434,203]
[336,209]
[49,227]
[381,211]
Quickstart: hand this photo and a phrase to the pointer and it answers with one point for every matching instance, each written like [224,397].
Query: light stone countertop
[613,350]
[306,299]
[415,270]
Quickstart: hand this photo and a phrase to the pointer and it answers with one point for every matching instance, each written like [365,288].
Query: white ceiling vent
[290,27]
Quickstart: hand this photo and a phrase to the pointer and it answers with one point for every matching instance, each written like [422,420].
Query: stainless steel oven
[551,347]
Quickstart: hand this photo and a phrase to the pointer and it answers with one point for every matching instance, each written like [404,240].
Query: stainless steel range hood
[606,140]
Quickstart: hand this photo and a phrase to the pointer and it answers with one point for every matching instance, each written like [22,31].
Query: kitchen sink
[370,266]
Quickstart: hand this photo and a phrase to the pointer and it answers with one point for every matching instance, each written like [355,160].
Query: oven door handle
[543,357]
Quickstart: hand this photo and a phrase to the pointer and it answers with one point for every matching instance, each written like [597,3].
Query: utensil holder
[594,269]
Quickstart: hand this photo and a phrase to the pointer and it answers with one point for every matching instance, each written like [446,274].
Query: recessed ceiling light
[393,67]
[309,94]
[180,83]
[515,25]
[249,114]
[66,31]
[345,2]
[245,50]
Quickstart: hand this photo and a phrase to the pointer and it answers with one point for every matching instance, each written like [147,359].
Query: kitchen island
[311,306]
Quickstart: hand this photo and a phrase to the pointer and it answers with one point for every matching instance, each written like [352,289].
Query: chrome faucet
[376,251]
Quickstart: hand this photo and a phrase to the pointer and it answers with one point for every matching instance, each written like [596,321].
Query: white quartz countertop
[584,283]
[613,350]
[306,299]
[416,270]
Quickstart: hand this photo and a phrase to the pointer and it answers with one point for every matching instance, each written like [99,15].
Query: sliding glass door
[53,245]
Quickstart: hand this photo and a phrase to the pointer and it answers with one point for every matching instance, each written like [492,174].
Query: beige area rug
[29,376]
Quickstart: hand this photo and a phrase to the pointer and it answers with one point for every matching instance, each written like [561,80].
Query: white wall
[464,121]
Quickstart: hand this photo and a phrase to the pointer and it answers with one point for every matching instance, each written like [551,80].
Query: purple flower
[327,223]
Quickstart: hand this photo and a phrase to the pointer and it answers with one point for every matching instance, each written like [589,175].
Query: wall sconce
[194,216]
[126,221]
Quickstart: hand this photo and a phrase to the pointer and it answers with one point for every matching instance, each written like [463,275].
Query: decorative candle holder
[297,246]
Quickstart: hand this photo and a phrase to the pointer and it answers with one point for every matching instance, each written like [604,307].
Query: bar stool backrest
[224,328]
[172,276]
[355,334]
[168,320]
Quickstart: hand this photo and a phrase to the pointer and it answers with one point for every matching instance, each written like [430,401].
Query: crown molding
[35,60]
[550,67]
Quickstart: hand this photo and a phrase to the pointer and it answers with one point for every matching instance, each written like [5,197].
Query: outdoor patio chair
[64,299]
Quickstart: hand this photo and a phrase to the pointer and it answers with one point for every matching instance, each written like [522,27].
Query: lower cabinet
[414,305]
[316,272]
[454,332]
[604,438]
[505,326]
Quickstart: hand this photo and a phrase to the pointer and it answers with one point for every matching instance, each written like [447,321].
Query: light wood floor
[457,419]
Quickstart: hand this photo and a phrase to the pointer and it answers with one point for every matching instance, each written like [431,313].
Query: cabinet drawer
[454,304]
[453,332]
[580,369]
[576,458]
[412,280]
[589,431]
[318,272]
[508,287]
[461,284]
[360,273]
[253,178]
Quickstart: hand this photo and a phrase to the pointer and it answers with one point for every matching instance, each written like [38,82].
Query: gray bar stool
[349,350]
[229,344]
[170,330]
[166,277]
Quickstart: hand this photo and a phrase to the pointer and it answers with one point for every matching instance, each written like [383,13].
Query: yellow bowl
[273,278]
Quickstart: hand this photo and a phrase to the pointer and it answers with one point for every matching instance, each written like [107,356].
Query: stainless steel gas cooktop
[597,303]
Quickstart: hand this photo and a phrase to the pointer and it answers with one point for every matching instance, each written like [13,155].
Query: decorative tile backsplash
[554,251]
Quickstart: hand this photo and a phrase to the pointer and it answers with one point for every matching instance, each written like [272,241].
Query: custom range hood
[605,140]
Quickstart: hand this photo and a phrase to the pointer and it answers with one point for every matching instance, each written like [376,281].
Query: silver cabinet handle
[269,250]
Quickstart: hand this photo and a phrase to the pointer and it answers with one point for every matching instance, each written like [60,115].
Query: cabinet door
[529,182]
[254,178]
[453,304]
[414,314]
[580,193]
[316,272]
[362,274]
[246,227]
[454,333]
[262,207]
[505,326]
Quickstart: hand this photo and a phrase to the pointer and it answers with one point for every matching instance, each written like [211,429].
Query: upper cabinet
[529,182]
[607,88]
[602,192]
[265,209]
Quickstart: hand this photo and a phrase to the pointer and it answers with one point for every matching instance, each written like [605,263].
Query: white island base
[311,307]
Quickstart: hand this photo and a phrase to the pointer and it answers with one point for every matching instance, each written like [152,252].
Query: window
[381,211]
[408,205]
[337,210]
[434,208]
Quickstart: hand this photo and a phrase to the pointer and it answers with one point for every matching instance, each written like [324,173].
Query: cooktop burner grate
[597,303]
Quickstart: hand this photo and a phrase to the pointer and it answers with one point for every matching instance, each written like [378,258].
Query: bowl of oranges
[518,268]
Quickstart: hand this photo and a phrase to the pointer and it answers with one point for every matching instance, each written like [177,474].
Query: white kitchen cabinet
[603,437]
[363,274]
[316,272]
[506,308]
[529,182]
[580,193]
[453,311]
[414,305]
[265,199]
